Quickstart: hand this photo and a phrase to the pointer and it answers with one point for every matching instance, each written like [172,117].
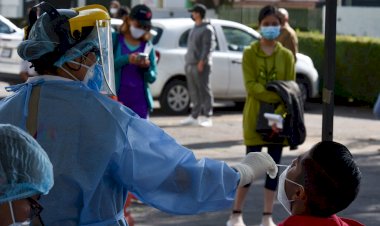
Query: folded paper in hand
[274,119]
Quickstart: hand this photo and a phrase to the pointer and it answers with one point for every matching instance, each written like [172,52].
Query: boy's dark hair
[268,11]
[331,178]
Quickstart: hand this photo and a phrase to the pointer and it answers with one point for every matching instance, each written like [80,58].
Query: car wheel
[175,98]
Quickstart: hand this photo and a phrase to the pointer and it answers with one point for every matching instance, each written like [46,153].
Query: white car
[10,38]
[227,79]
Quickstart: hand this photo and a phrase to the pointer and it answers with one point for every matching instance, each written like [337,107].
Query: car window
[182,42]
[183,39]
[5,28]
[237,39]
[157,37]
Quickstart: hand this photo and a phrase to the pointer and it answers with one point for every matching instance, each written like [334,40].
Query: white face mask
[25,223]
[281,195]
[113,11]
[136,32]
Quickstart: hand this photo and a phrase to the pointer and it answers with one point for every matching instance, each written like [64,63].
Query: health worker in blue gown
[100,149]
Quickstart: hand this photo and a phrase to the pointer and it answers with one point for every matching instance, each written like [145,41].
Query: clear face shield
[106,56]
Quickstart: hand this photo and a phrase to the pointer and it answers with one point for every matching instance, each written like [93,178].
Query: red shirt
[298,220]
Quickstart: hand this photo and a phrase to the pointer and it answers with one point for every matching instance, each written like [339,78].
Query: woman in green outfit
[263,61]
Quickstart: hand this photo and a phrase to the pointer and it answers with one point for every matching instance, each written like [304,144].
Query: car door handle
[236,62]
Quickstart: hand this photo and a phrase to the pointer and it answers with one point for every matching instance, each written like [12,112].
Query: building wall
[16,9]
[180,4]
[11,8]
[361,2]
[358,21]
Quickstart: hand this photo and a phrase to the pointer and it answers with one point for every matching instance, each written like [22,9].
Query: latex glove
[255,164]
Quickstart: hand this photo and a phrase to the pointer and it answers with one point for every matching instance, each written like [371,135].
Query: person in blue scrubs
[26,173]
[99,148]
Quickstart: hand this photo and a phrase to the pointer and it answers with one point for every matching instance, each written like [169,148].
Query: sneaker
[236,220]
[207,122]
[189,121]
[267,221]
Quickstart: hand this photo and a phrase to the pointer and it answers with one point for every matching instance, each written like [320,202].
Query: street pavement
[354,126]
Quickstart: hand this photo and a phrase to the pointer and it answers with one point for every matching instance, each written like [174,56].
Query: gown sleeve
[168,176]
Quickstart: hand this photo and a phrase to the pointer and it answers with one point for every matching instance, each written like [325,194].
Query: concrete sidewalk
[353,126]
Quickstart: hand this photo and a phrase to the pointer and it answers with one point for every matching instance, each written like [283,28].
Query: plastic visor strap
[29,87]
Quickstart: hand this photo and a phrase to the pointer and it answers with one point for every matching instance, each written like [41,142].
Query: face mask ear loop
[295,183]
[82,63]
[75,69]
[11,208]
[67,72]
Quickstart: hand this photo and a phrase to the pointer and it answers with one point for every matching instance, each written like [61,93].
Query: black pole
[329,68]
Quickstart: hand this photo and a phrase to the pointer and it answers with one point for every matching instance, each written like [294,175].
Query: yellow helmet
[88,16]
[64,26]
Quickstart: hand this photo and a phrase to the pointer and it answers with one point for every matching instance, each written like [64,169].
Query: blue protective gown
[100,150]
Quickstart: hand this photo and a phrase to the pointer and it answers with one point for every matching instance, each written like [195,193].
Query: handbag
[262,126]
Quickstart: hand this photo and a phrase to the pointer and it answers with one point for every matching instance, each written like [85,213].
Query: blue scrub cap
[25,168]
[79,49]
[43,37]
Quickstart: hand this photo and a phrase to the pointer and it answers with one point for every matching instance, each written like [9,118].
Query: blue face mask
[94,77]
[270,32]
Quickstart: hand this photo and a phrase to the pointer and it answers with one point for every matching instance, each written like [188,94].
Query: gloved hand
[254,165]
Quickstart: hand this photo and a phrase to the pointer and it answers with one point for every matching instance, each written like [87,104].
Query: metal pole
[329,68]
